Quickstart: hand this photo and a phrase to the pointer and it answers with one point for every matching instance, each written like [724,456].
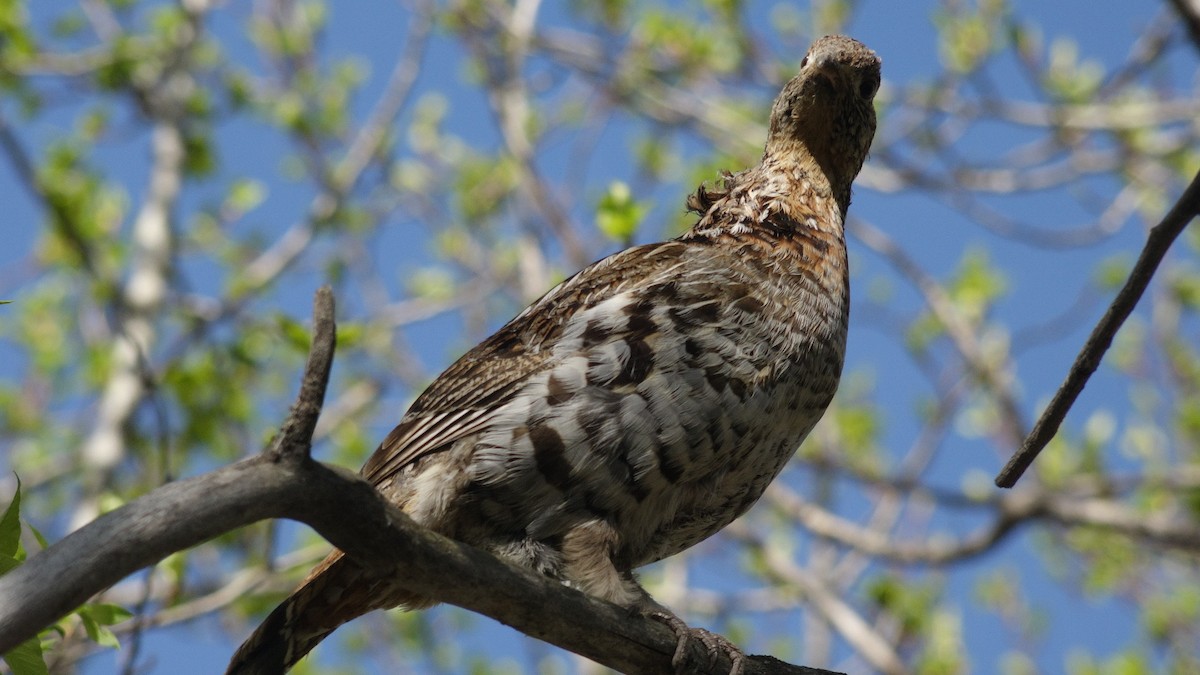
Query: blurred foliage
[195,170]
[618,214]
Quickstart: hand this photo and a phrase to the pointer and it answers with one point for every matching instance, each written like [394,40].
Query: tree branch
[294,441]
[991,372]
[845,619]
[1189,12]
[284,482]
[141,298]
[1157,244]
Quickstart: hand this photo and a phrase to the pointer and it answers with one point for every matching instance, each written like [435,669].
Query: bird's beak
[825,66]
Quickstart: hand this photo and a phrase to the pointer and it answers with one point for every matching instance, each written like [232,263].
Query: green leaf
[1112,272]
[351,334]
[26,658]
[97,616]
[90,625]
[41,539]
[106,613]
[245,194]
[294,333]
[976,285]
[10,527]
[200,158]
[618,214]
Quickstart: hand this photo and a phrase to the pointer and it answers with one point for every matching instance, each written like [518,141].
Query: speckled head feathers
[847,52]
[827,110]
[821,128]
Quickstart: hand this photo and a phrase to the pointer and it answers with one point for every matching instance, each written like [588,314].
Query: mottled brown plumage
[647,401]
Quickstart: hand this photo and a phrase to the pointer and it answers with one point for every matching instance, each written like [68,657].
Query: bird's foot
[713,643]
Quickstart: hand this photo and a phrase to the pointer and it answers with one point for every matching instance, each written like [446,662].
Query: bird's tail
[335,592]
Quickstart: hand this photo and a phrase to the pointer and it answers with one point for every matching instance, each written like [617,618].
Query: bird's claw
[713,643]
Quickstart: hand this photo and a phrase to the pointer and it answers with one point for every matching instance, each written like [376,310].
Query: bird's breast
[669,408]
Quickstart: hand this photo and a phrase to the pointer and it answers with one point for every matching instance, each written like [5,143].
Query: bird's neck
[810,169]
[789,187]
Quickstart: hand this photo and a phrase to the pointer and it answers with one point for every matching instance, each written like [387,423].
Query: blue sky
[1042,283]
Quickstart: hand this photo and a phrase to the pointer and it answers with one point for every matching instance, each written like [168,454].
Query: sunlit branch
[845,619]
[509,96]
[994,376]
[339,183]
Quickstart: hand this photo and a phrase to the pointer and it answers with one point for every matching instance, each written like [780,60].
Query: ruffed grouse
[646,402]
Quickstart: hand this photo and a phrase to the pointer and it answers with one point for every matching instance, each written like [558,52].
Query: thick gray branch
[353,516]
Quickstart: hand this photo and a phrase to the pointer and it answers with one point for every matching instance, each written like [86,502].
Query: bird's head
[827,111]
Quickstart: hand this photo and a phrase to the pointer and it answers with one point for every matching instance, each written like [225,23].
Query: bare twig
[1189,11]
[510,101]
[335,187]
[61,218]
[294,441]
[844,618]
[257,579]
[1157,243]
[991,371]
[933,551]
[371,136]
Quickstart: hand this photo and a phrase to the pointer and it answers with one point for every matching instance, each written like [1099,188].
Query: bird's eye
[868,86]
[804,62]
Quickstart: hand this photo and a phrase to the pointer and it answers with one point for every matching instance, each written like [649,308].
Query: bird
[643,404]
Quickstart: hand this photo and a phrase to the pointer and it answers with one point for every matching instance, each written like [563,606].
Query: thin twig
[379,123]
[1157,243]
[1189,11]
[841,615]
[295,437]
[280,255]
[992,372]
[62,221]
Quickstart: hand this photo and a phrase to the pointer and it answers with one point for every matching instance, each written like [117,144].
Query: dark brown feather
[493,371]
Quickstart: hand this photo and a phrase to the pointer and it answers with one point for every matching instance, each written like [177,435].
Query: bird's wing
[462,399]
